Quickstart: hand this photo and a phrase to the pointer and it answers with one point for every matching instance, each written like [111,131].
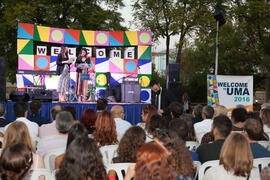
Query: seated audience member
[72,110]
[197,113]
[156,122]
[147,113]
[35,107]
[3,120]
[102,104]
[176,110]
[82,160]
[152,163]
[204,126]
[221,128]
[88,119]
[191,132]
[253,131]
[179,158]
[236,161]
[133,138]
[105,132]
[20,111]
[238,118]
[76,131]
[265,174]
[186,103]
[64,121]
[15,162]
[50,129]
[118,114]
[180,127]
[266,121]
[17,132]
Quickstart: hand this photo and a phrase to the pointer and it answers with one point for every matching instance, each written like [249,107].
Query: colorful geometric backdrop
[212,91]
[141,68]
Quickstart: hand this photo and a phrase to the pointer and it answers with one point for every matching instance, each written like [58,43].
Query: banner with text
[230,91]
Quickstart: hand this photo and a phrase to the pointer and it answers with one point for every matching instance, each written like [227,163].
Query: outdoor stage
[132,111]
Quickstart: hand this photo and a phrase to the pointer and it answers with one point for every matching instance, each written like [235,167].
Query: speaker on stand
[173,81]
[2,79]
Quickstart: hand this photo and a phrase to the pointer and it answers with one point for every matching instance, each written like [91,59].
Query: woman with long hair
[152,163]
[266,121]
[82,64]
[77,130]
[191,132]
[88,119]
[133,138]
[82,161]
[147,113]
[15,162]
[105,132]
[17,132]
[236,161]
[63,70]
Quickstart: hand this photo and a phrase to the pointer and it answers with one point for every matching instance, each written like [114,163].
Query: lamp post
[218,15]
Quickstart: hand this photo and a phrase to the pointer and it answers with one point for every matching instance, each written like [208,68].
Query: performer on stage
[82,64]
[63,70]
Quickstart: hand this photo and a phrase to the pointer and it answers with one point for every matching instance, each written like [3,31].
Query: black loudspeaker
[2,79]
[173,72]
[175,88]
[17,96]
[43,95]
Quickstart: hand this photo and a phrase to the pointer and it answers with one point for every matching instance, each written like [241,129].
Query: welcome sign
[230,91]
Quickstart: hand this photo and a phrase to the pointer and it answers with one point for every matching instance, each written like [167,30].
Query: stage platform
[132,111]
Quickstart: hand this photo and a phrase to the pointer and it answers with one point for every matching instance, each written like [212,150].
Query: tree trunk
[267,89]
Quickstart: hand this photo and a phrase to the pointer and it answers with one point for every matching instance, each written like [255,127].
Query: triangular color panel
[126,41]
[74,33]
[28,30]
[44,33]
[69,39]
[23,34]
[147,54]
[132,37]
[26,62]
[114,42]
[114,82]
[27,81]
[114,68]
[89,37]
[36,34]
[118,36]
[82,39]
[21,43]
[100,60]
[25,48]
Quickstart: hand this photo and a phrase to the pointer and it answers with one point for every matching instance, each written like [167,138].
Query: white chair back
[1,139]
[119,168]
[108,153]
[205,166]
[261,163]
[36,173]
[197,165]
[265,144]
[49,158]
[2,130]
[192,145]
[240,132]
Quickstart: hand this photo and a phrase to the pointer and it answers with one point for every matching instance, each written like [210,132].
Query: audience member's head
[133,138]
[152,163]
[264,106]
[180,127]
[180,159]
[176,110]
[77,130]
[148,112]
[20,109]
[15,161]
[17,132]
[207,112]
[155,86]
[72,110]
[220,110]
[56,109]
[239,115]
[266,117]
[35,107]
[221,127]
[265,174]
[64,120]
[253,115]
[88,119]
[82,160]
[253,130]
[2,110]
[118,112]
[155,122]
[197,111]
[102,104]
[236,155]
[191,131]
[105,132]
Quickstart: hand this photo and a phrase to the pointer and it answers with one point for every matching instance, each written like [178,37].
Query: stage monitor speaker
[175,88]
[173,72]
[2,79]
[130,92]
[43,95]
[17,96]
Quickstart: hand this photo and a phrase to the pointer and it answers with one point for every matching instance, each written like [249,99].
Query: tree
[76,14]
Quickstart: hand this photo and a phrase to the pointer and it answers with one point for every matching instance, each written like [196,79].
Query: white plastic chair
[205,166]
[197,165]
[192,145]
[119,168]
[265,144]
[36,173]
[108,153]
[2,130]
[1,139]
[49,158]
[261,163]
